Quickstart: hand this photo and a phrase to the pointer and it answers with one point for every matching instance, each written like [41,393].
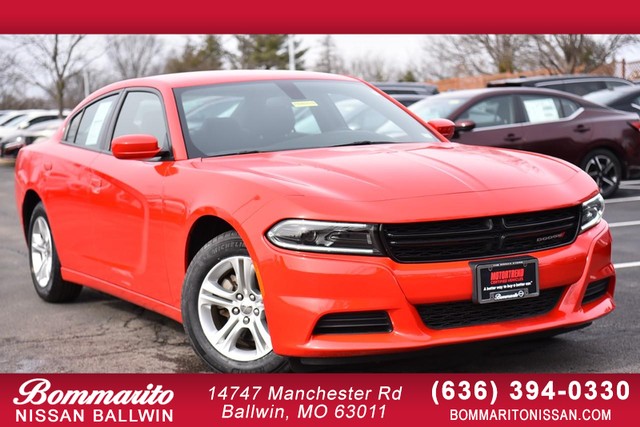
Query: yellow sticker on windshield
[300,104]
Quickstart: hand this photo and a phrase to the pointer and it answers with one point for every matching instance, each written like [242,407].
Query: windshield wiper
[365,142]
[237,153]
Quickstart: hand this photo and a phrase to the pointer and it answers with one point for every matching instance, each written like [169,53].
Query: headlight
[592,211]
[326,237]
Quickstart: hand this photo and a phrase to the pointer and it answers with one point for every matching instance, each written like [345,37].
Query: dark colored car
[407,92]
[625,98]
[578,84]
[603,142]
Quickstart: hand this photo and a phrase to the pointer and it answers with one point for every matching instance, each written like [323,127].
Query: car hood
[393,171]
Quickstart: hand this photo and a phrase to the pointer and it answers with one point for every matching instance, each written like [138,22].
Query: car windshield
[280,115]
[435,107]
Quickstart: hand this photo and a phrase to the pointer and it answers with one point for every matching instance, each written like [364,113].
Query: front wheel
[605,169]
[223,310]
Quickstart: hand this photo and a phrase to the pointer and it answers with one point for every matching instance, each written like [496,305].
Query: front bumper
[300,288]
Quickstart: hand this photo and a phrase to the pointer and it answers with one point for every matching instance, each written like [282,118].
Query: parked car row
[577,84]
[19,128]
[407,93]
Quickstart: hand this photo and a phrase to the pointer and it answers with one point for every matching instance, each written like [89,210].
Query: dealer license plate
[505,280]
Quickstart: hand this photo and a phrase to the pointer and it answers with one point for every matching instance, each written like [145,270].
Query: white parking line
[623,224]
[623,199]
[627,265]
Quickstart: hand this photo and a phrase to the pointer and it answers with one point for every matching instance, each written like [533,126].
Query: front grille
[481,237]
[595,290]
[465,313]
[353,323]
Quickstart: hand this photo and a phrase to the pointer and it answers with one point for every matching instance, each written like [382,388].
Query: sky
[402,51]
[403,48]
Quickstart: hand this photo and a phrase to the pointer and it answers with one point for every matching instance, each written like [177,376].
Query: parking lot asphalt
[99,333]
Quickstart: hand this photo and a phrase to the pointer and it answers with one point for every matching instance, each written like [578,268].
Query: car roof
[200,78]
[540,79]
[469,93]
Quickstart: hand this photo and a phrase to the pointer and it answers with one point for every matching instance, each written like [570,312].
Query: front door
[127,195]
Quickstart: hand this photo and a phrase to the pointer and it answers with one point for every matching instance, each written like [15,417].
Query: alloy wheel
[231,310]
[604,172]
[41,252]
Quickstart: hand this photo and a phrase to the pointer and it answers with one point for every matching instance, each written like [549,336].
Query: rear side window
[568,107]
[539,109]
[72,130]
[87,126]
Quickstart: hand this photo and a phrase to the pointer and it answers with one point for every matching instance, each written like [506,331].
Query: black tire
[605,169]
[222,314]
[44,263]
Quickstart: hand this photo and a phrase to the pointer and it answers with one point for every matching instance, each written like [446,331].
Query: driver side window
[142,113]
[496,111]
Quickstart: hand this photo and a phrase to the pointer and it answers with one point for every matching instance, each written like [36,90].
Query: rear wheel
[44,262]
[223,310]
[605,169]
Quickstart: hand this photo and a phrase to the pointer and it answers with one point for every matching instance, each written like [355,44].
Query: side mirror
[465,125]
[136,147]
[445,127]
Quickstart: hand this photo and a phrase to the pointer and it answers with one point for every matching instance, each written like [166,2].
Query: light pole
[292,55]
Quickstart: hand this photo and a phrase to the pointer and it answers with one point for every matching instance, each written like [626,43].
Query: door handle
[512,137]
[582,128]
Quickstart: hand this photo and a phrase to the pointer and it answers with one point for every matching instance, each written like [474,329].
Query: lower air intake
[595,290]
[466,313]
[362,322]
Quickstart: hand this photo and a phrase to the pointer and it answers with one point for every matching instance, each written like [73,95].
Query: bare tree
[135,55]
[471,54]
[573,53]
[330,60]
[371,68]
[7,78]
[49,61]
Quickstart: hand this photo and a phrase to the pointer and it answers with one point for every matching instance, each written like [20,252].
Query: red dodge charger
[307,215]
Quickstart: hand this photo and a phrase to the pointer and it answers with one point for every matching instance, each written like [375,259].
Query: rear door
[68,181]
[555,126]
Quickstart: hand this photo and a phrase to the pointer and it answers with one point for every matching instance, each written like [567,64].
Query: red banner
[319,400]
[329,16]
